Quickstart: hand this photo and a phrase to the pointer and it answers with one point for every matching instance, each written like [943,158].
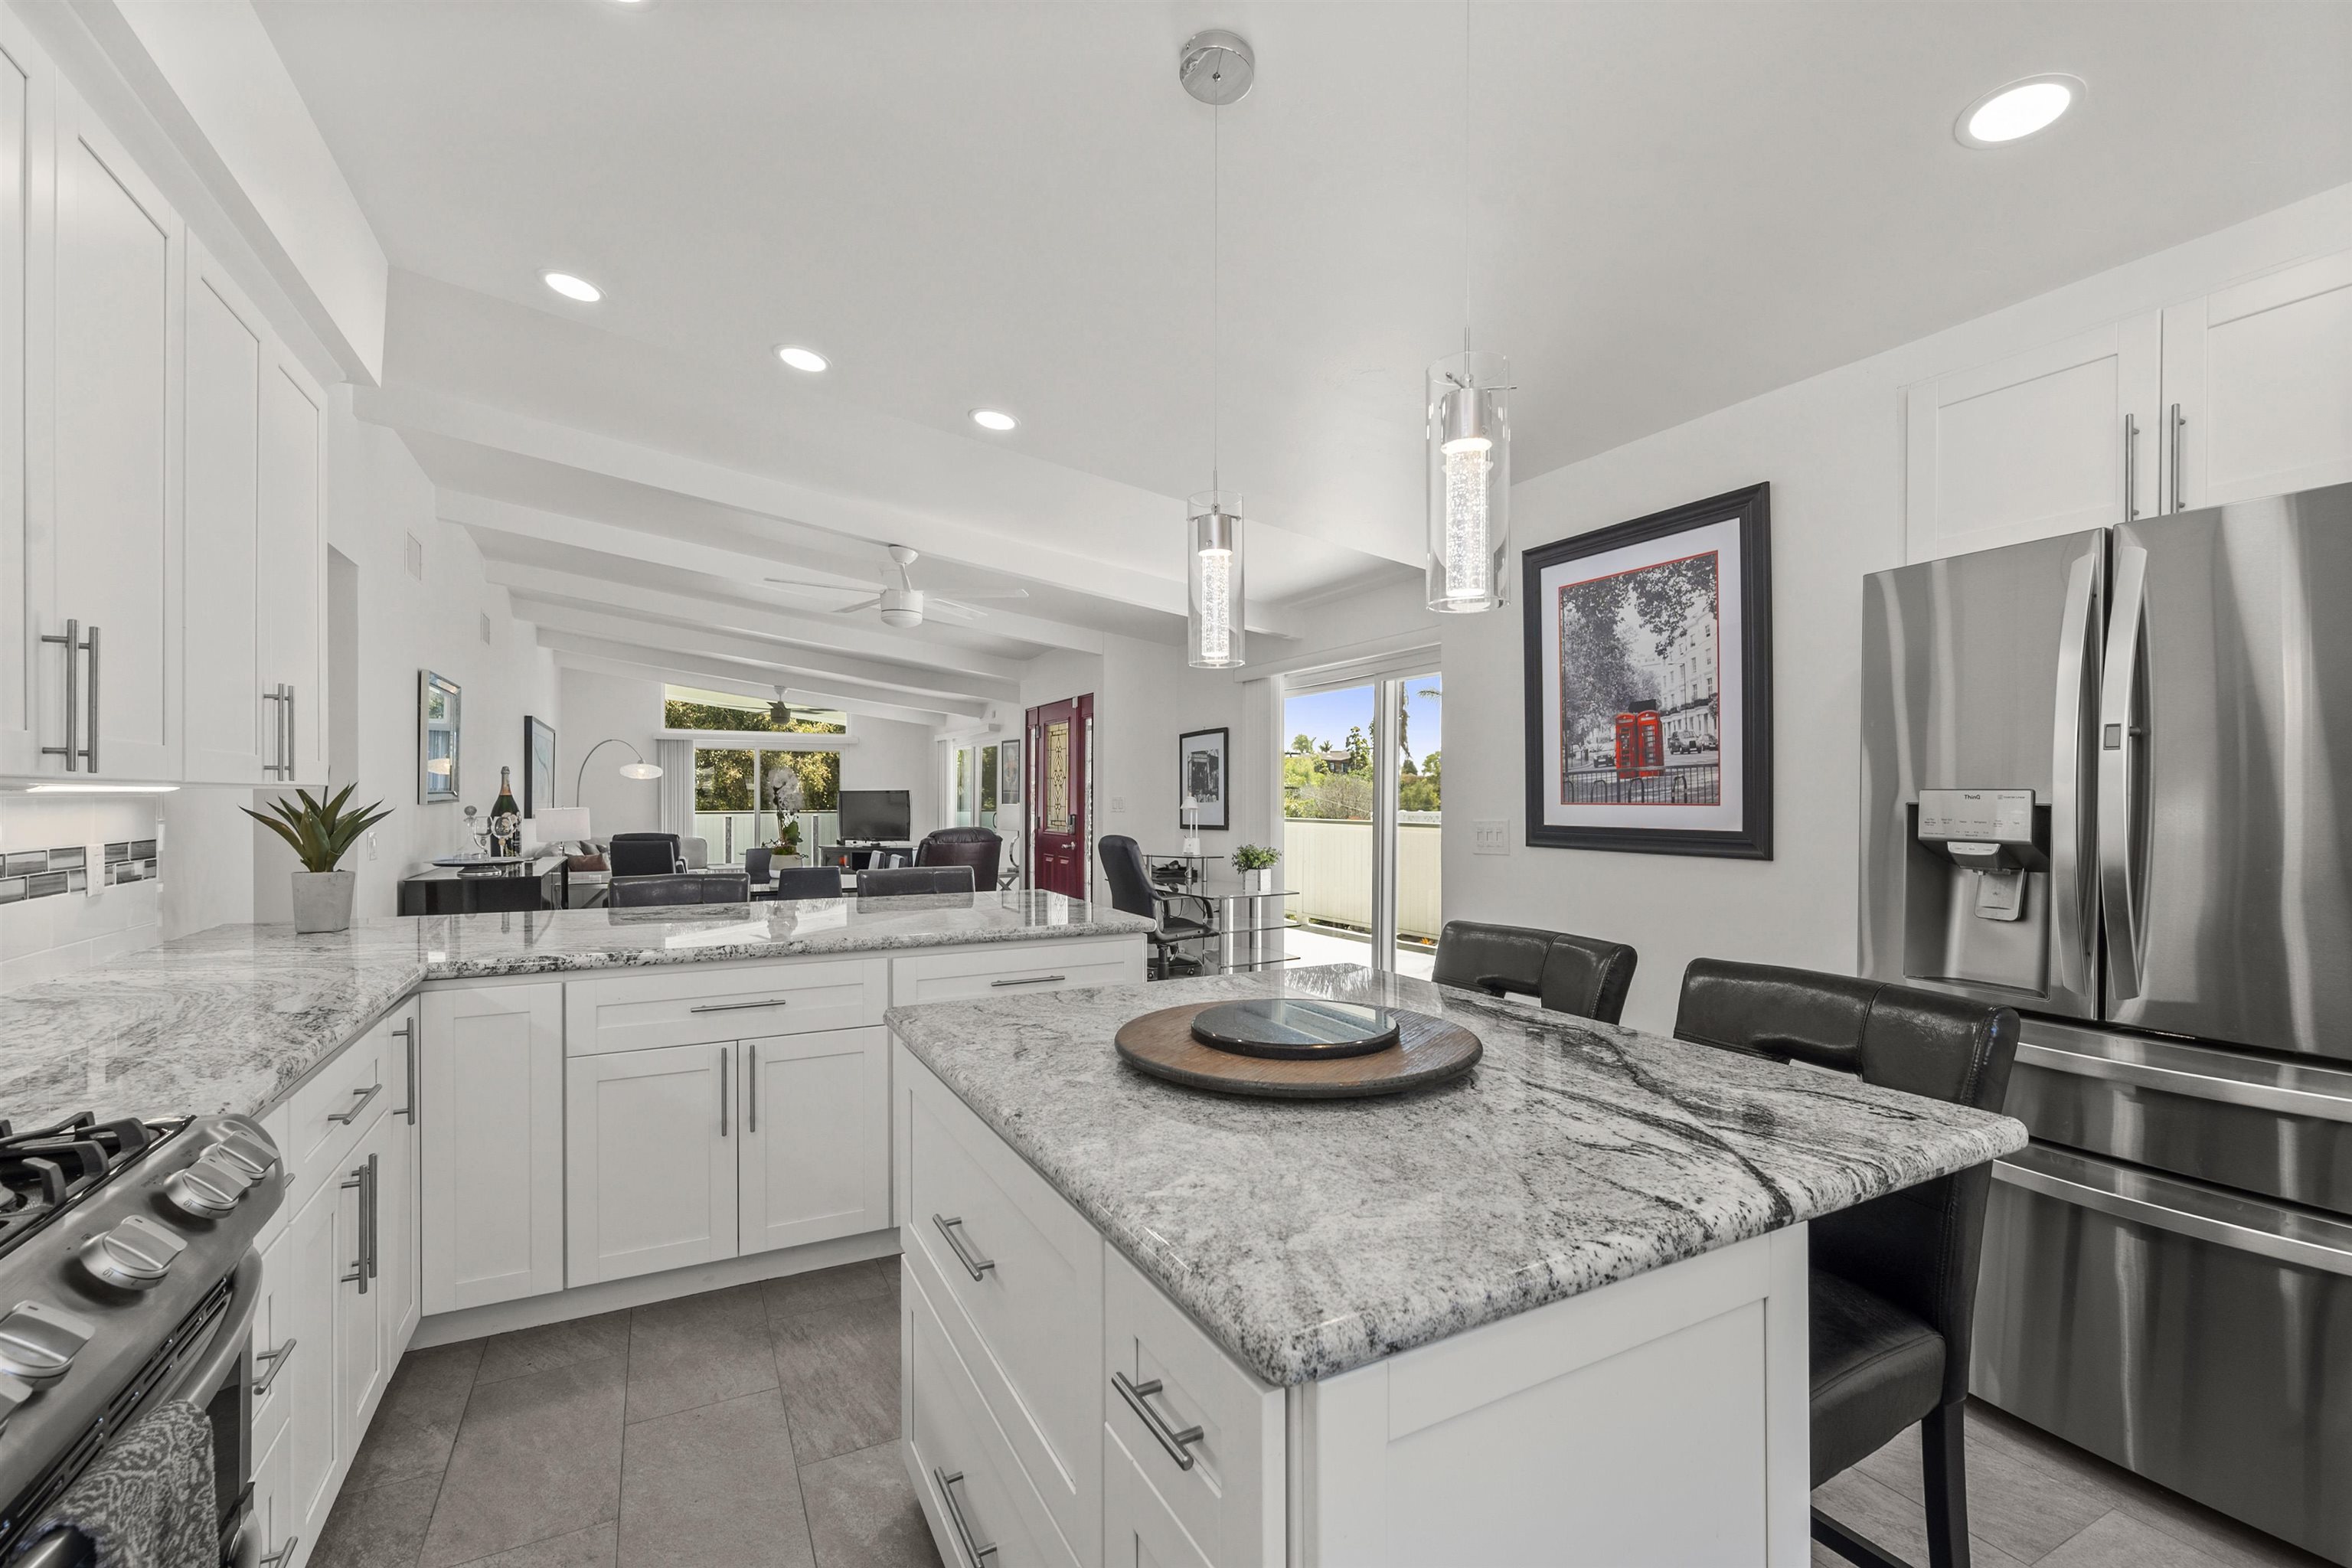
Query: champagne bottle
[506,818]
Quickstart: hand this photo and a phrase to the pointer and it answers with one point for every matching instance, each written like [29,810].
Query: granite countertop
[229,1019]
[1311,1237]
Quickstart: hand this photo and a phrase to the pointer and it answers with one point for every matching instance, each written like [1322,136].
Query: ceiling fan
[904,604]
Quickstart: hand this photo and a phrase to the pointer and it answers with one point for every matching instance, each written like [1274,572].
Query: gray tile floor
[756,1426]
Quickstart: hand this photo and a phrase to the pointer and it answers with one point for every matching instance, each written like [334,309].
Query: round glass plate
[1297,1028]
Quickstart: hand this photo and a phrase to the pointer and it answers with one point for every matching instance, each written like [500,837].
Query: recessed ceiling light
[808,360]
[990,419]
[2016,110]
[572,288]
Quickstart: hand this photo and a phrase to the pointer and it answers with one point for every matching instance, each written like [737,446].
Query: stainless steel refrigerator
[2107,779]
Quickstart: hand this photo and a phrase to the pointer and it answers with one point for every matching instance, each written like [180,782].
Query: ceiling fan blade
[1009,596]
[955,607]
[861,605]
[827,588]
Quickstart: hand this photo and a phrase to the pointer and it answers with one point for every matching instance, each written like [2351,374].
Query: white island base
[1661,1419]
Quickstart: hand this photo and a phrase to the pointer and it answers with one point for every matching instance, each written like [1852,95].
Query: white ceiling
[1672,207]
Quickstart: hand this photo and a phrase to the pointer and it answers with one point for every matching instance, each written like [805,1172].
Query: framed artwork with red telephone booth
[1649,683]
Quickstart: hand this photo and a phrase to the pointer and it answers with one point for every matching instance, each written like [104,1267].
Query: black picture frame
[537,765]
[1559,770]
[1217,760]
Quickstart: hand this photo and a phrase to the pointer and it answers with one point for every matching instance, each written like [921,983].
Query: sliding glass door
[1361,812]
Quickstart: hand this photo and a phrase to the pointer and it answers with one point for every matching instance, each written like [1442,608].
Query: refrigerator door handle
[2123,740]
[2073,889]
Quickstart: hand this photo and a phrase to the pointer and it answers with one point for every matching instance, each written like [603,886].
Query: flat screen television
[875,816]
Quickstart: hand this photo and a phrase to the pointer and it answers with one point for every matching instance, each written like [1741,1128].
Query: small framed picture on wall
[1649,683]
[1200,780]
[1008,773]
[539,765]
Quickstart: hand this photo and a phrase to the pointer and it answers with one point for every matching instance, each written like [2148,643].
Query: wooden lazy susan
[1298,1048]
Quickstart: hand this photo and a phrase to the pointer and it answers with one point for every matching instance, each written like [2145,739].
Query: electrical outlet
[1490,836]
[370,843]
[1119,806]
[93,860]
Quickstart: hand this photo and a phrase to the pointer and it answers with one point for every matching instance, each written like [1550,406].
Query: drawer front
[694,1005]
[333,1111]
[1018,1274]
[1008,969]
[1139,1530]
[1171,1394]
[980,1505]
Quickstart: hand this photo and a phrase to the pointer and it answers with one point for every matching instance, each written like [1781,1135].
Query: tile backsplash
[77,883]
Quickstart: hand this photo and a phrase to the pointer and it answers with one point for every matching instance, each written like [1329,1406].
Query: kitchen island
[1552,1312]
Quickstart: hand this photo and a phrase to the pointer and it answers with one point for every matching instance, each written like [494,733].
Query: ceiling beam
[704,668]
[457,419]
[648,665]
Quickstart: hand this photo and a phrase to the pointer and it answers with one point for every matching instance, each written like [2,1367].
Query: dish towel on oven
[146,1501]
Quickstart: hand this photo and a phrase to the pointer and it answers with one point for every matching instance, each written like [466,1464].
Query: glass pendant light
[1216,67]
[1469,442]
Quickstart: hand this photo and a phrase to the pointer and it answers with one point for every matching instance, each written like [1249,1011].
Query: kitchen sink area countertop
[228,1019]
[1311,1237]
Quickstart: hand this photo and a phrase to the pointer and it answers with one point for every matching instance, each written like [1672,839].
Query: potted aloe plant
[321,833]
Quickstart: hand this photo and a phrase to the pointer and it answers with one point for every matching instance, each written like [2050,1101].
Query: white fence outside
[1330,864]
[756,828]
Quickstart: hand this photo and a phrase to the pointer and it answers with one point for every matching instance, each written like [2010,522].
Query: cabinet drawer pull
[1030,980]
[737,1006]
[974,1263]
[348,1117]
[1138,1396]
[948,1481]
[277,1360]
[284,1554]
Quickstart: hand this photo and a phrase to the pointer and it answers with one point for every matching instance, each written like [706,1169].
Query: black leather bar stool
[1894,1281]
[900,881]
[1565,973]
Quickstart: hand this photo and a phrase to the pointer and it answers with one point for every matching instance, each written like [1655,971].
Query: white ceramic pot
[1261,879]
[322,901]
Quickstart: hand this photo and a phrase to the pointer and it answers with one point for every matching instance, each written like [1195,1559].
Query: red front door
[1060,789]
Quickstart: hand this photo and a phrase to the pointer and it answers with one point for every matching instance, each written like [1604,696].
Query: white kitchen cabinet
[229,737]
[2054,441]
[650,1159]
[293,584]
[815,1147]
[491,1155]
[273,1527]
[398,1255]
[318,1456]
[27,574]
[116,480]
[362,1365]
[2258,387]
[273,1333]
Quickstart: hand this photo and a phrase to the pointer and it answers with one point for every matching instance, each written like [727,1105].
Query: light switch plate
[370,843]
[1119,806]
[1490,836]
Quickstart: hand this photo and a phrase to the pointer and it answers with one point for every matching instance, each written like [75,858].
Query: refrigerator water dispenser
[1975,894]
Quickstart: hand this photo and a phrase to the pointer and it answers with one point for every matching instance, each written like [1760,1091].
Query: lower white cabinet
[317,1458]
[274,1530]
[815,1154]
[650,1163]
[491,1116]
[763,1143]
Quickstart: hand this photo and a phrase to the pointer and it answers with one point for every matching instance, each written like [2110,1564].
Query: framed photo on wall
[1200,780]
[537,765]
[1008,773]
[1649,683]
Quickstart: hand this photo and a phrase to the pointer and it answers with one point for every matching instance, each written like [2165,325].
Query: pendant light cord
[1467,167]
[1216,297]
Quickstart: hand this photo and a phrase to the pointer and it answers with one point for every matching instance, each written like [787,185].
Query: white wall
[608,706]
[1831,449]
[891,754]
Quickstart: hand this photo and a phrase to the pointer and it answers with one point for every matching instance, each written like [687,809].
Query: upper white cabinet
[294,565]
[26,85]
[2052,441]
[116,480]
[2258,387]
[2241,393]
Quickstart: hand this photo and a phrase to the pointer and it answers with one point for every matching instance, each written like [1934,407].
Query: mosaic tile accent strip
[45,873]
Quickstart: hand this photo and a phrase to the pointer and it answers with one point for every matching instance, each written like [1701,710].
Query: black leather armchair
[646,855]
[978,848]
[1565,973]
[1894,1281]
[1130,894]
[808,882]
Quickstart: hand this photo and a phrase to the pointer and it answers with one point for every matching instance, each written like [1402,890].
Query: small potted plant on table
[321,833]
[1255,861]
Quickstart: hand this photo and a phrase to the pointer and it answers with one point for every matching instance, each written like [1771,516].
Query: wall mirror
[438,712]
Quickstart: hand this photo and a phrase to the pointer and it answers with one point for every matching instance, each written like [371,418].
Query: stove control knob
[212,1186]
[245,1146]
[135,1255]
[38,1343]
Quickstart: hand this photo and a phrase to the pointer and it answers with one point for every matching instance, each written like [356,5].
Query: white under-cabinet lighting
[98,789]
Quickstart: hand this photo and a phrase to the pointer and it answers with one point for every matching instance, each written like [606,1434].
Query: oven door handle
[232,1335]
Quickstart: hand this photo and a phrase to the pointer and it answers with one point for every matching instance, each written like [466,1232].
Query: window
[1361,820]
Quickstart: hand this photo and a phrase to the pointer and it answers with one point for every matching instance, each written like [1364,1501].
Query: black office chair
[902,882]
[1130,894]
[644,854]
[756,862]
[680,888]
[1565,973]
[1894,1281]
[978,848]
[807,883]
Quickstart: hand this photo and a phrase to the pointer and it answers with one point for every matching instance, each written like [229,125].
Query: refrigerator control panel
[1977,816]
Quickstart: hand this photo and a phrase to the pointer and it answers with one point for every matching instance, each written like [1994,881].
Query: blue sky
[1325,715]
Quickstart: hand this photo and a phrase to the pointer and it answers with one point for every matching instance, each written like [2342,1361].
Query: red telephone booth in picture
[1628,745]
[1652,738]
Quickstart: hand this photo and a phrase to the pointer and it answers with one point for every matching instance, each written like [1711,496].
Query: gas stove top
[46,1170]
